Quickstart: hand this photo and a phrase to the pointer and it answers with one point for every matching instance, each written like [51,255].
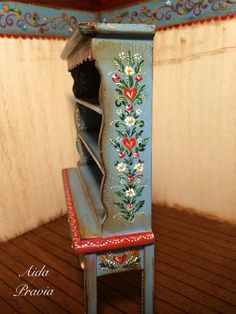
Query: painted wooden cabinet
[109,192]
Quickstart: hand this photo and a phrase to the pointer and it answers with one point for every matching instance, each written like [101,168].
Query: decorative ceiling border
[168,13]
[17,19]
[24,20]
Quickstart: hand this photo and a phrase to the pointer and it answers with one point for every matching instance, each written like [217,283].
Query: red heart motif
[119,259]
[129,144]
[130,93]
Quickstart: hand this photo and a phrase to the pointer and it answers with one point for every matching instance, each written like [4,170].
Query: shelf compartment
[92,180]
[90,141]
[89,119]
[89,224]
[86,80]
[91,103]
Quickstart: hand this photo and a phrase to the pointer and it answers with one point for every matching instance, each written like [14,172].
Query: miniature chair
[108,194]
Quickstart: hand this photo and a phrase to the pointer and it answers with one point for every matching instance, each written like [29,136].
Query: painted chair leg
[148,280]
[90,283]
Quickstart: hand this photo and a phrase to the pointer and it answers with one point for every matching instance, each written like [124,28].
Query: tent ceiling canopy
[90,5]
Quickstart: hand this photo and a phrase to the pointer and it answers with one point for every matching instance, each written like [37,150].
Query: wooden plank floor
[194,270]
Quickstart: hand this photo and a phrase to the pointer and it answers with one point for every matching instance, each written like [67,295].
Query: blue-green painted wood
[22,19]
[87,219]
[90,283]
[112,262]
[108,29]
[148,280]
[123,150]
[90,140]
[93,176]
[106,52]
[31,20]
[164,13]
[90,103]
[102,30]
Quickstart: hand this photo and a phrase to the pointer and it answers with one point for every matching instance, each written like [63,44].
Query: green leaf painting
[129,144]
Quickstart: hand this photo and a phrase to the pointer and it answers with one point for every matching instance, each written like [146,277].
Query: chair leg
[148,280]
[90,283]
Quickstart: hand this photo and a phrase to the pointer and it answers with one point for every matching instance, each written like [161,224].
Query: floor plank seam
[185,225]
[220,276]
[198,289]
[200,248]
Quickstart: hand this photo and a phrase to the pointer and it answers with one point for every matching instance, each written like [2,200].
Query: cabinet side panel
[125,140]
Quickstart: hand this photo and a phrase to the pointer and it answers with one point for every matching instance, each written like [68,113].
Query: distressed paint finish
[130,142]
[166,13]
[148,279]
[104,53]
[119,261]
[88,223]
[19,19]
[90,283]
[106,219]
[33,20]
[81,245]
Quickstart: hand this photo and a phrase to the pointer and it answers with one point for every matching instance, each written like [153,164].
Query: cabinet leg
[90,283]
[148,280]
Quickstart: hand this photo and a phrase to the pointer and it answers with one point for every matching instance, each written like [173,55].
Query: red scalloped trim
[208,20]
[103,243]
[23,36]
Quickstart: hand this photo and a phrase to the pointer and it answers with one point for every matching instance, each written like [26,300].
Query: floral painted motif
[125,259]
[34,20]
[130,143]
[170,12]
[39,21]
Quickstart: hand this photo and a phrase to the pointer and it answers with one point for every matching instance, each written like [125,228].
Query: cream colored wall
[194,149]
[37,136]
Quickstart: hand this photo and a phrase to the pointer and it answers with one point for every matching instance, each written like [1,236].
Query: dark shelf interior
[86,80]
[86,91]
[90,120]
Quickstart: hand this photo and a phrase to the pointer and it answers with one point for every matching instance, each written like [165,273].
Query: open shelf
[88,122]
[90,141]
[89,223]
[86,80]
[91,103]
[92,179]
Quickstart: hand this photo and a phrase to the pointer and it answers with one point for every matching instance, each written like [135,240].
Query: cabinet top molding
[87,30]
